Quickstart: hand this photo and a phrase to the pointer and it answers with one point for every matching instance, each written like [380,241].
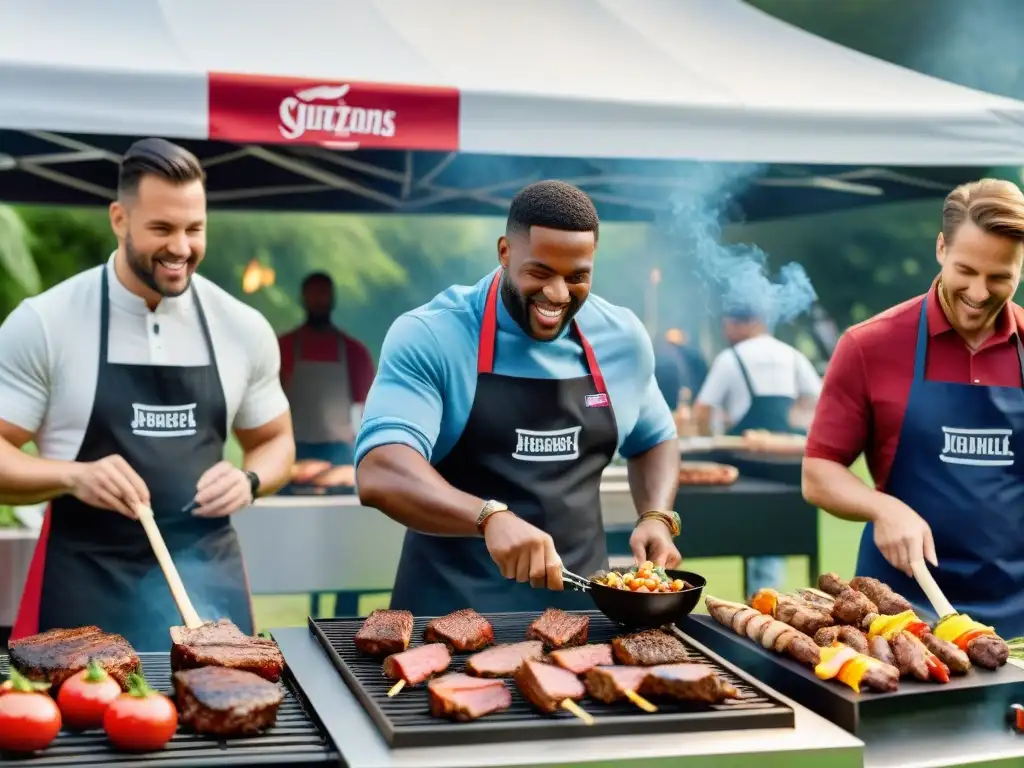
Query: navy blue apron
[956,466]
[97,566]
[770,412]
[538,445]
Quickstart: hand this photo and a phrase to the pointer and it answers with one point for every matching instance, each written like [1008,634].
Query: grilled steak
[687,682]
[58,654]
[609,684]
[582,658]
[649,648]
[948,653]
[462,698]
[503,660]
[464,630]
[547,686]
[222,644]
[418,664]
[385,632]
[558,629]
[226,702]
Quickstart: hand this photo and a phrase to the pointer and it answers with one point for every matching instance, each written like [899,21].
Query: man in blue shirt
[496,408]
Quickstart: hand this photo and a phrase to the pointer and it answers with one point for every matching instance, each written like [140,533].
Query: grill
[405,720]
[295,740]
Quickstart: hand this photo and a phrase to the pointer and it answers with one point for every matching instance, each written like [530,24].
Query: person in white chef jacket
[128,377]
[758,382]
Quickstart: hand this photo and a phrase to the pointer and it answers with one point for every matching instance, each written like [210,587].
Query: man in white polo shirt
[755,384]
[128,377]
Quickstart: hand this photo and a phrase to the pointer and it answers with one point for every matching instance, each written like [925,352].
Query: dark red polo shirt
[865,390]
[323,348]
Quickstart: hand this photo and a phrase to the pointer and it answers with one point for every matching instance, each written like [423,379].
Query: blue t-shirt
[426,377]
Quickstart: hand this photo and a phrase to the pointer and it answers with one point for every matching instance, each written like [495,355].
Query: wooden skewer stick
[931,590]
[163,557]
[640,701]
[571,706]
[396,688]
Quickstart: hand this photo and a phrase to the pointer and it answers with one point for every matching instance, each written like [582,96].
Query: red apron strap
[27,621]
[489,332]
[489,329]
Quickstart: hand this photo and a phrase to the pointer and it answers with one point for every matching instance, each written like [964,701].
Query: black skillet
[640,609]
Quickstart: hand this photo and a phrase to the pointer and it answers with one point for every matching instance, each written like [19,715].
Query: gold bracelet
[671,519]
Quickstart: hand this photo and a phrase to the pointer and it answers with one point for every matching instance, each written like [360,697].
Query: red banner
[257,109]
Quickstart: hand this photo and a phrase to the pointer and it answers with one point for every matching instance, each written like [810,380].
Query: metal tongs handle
[574,580]
[931,590]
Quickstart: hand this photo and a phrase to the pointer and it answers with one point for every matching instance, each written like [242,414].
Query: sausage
[826,636]
[879,648]
[909,658]
[854,638]
[889,603]
[801,616]
[988,651]
[831,583]
[803,649]
[851,606]
[882,677]
[948,653]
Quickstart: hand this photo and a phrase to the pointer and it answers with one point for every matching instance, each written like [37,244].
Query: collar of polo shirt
[128,301]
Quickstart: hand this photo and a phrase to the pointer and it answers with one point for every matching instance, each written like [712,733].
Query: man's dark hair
[317,277]
[552,204]
[157,157]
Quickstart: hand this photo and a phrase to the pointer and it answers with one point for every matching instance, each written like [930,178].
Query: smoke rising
[736,276]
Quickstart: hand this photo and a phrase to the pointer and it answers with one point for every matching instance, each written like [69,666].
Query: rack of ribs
[583,657]
[416,665]
[226,702]
[558,629]
[550,688]
[649,648]
[385,632]
[222,644]
[460,697]
[464,630]
[58,654]
[503,660]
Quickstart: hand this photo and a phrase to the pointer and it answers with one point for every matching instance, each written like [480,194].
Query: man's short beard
[518,306]
[138,266]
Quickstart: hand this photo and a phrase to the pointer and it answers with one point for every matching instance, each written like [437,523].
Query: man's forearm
[403,485]
[28,479]
[272,461]
[830,486]
[654,477]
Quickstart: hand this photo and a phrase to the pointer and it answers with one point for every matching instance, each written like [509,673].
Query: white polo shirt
[49,354]
[774,367]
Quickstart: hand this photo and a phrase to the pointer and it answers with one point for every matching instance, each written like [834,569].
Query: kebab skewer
[837,662]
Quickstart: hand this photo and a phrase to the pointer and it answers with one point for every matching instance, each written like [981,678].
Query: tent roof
[700,80]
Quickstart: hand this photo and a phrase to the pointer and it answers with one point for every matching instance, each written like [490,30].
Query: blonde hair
[994,205]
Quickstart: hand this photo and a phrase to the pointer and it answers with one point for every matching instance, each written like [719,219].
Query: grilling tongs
[163,557]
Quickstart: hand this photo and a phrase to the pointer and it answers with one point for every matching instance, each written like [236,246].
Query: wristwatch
[668,517]
[489,508]
[254,482]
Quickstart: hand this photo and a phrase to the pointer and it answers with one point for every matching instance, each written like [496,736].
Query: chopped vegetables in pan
[645,577]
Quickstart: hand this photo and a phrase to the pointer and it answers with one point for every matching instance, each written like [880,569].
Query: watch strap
[254,482]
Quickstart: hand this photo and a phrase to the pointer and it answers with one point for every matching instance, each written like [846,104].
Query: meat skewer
[687,682]
[503,660]
[581,659]
[613,683]
[550,688]
[414,666]
[790,610]
[463,698]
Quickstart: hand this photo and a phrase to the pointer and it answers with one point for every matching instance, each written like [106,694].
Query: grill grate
[296,739]
[405,720]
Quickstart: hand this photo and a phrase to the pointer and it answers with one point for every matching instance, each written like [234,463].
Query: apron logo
[554,445]
[599,400]
[164,420]
[977,447]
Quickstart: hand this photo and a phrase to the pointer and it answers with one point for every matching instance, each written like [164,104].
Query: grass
[837,541]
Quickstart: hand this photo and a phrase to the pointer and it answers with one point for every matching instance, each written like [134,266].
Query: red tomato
[29,718]
[85,697]
[141,720]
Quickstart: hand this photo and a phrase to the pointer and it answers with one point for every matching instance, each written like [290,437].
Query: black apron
[538,445]
[95,566]
[770,412]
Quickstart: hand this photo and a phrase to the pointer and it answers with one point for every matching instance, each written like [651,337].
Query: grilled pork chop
[547,686]
[558,629]
[385,632]
[56,655]
[463,698]
[503,660]
[649,648]
[222,644]
[226,702]
[464,630]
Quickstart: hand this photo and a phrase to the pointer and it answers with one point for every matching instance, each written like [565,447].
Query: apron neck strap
[489,335]
[921,350]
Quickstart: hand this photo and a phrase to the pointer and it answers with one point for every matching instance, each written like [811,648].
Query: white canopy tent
[289,84]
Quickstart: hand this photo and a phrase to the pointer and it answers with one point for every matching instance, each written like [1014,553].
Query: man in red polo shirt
[931,392]
[326,375]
